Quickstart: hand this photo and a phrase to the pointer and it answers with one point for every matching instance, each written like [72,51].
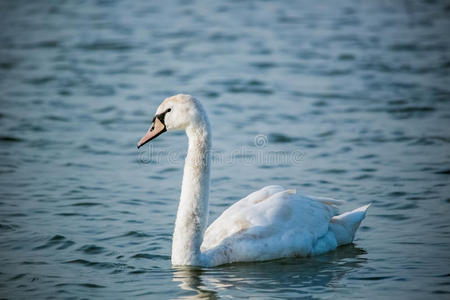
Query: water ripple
[359,88]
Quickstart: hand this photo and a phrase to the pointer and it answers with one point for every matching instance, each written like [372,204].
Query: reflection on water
[291,277]
[191,280]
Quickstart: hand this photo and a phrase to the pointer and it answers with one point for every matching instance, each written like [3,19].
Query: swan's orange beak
[155,130]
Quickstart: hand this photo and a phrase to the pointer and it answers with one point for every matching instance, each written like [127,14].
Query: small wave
[68,214]
[13,215]
[9,139]
[17,277]
[430,140]
[238,86]
[88,149]
[370,170]
[105,109]
[333,72]
[210,94]
[92,249]
[406,206]
[368,156]
[8,227]
[222,37]
[101,90]
[394,217]
[7,65]
[281,138]
[136,234]
[141,271]
[440,292]
[106,45]
[397,194]
[230,106]
[87,285]
[443,172]
[27,262]
[109,121]
[133,202]
[404,47]
[40,80]
[55,241]
[334,171]
[87,204]
[263,65]
[371,278]
[346,57]
[56,118]
[164,73]
[65,245]
[410,109]
[95,264]
[327,133]
[249,90]
[150,256]
[47,44]
[363,177]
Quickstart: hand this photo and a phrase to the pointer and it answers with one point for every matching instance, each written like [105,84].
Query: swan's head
[175,113]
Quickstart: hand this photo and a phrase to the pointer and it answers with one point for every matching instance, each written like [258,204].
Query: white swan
[270,223]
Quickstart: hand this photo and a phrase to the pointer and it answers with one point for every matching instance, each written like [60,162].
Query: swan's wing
[233,219]
[249,201]
[271,218]
[327,200]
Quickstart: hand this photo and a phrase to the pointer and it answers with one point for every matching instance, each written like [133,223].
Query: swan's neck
[192,215]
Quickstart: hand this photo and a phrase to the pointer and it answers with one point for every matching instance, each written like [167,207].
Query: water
[348,100]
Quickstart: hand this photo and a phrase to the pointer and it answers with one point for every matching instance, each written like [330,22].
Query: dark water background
[346,99]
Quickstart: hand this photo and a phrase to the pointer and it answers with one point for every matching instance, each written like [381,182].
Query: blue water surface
[346,99]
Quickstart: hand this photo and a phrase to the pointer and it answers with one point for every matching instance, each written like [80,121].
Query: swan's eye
[169,110]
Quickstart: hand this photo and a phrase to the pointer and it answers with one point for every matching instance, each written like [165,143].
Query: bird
[270,223]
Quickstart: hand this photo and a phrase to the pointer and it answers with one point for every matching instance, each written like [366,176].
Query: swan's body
[267,224]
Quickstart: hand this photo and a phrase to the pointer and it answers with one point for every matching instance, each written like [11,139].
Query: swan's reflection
[191,280]
[295,276]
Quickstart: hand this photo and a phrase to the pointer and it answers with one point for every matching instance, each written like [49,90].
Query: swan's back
[273,223]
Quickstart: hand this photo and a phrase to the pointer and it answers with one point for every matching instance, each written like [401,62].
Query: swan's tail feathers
[344,226]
